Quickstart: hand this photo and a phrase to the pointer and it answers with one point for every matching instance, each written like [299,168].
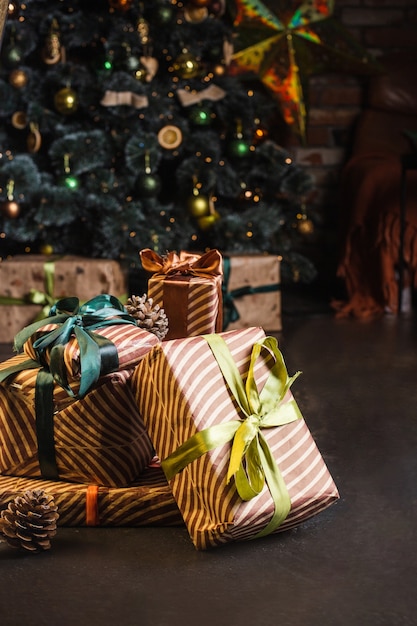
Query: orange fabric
[91,506]
[370,202]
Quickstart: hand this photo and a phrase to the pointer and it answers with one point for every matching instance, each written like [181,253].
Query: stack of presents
[168,409]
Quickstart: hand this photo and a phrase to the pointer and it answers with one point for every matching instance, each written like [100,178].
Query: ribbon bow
[98,355]
[188,98]
[251,460]
[205,265]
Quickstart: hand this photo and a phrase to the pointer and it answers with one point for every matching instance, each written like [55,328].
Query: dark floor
[353,565]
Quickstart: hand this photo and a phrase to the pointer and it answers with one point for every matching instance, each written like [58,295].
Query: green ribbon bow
[251,460]
[98,355]
[230,312]
[35,296]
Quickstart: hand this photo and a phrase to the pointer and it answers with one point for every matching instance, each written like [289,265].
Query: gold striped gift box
[181,392]
[148,501]
[189,288]
[132,344]
[99,438]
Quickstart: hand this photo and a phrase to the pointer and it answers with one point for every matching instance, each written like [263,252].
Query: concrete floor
[353,565]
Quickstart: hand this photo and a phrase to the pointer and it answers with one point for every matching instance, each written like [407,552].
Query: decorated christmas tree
[122,128]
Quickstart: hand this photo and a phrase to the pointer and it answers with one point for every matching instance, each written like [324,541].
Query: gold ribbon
[124,98]
[188,98]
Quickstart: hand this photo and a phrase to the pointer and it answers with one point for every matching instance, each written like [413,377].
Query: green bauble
[200,116]
[13,55]
[238,148]
[148,185]
[69,181]
[198,205]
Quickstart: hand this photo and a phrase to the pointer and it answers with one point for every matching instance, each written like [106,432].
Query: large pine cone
[29,521]
[148,316]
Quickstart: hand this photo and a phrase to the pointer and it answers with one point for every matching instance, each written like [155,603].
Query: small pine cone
[148,316]
[29,521]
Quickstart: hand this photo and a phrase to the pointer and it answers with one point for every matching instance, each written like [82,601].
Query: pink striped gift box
[189,288]
[182,393]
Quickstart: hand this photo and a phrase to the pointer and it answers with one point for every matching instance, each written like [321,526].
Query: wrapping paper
[252,292]
[148,501]
[181,392]
[100,438]
[188,287]
[23,279]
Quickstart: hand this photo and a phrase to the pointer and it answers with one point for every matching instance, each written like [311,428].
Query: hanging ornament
[198,204]
[208,221]
[47,249]
[51,52]
[34,138]
[10,208]
[148,184]
[170,137]
[18,78]
[19,120]
[238,147]
[68,180]
[305,226]
[121,5]
[195,14]
[142,28]
[13,54]
[66,101]
[200,115]
[186,65]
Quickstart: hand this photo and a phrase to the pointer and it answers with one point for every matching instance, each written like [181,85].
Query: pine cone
[147,316]
[29,521]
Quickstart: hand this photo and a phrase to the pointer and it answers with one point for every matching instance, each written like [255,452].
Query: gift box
[189,289]
[252,292]
[30,284]
[45,432]
[234,446]
[148,501]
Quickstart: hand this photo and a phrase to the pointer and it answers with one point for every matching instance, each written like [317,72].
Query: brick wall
[335,101]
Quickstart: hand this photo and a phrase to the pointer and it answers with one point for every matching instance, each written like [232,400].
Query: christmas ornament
[18,78]
[189,97]
[29,522]
[151,67]
[68,180]
[51,53]
[13,54]
[34,138]
[121,5]
[205,222]
[170,137]
[148,184]
[19,120]
[305,226]
[163,13]
[148,316]
[284,46]
[46,249]
[198,204]
[186,65]
[66,101]
[200,116]
[238,147]
[195,14]
[10,208]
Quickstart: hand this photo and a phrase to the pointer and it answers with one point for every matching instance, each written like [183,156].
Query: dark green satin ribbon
[230,312]
[35,296]
[98,355]
[251,460]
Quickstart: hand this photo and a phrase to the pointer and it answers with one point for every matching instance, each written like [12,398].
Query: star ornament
[284,42]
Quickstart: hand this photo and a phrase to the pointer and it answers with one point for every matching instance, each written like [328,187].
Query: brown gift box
[148,501]
[72,276]
[181,392]
[99,438]
[252,291]
[189,288]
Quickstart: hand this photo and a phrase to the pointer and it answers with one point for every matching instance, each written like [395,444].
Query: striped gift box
[99,438]
[148,501]
[132,344]
[189,289]
[181,391]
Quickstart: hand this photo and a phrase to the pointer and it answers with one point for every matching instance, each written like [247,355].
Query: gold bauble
[46,249]
[170,137]
[66,101]
[19,120]
[18,78]
[208,221]
[305,227]
[186,65]
[198,205]
[10,208]
[195,14]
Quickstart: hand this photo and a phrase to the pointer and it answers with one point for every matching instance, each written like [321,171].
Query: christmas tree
[122,128]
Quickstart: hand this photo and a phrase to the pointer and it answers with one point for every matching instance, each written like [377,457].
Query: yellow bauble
[186,65]
[47,249]
[66,101]
[198,205]
[207,221]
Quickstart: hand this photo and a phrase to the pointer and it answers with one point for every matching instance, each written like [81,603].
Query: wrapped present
[47,433]
[252,292]
[85,341]
[234,446]
[30,284]
[148,501]
[189,289]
